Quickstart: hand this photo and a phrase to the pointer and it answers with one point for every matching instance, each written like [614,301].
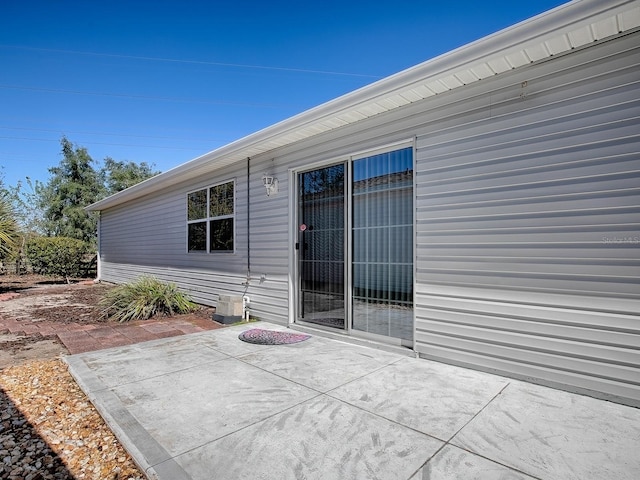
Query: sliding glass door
[355,246]
[321,246]
[382,232]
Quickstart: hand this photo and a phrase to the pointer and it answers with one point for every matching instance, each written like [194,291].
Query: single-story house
[481,209]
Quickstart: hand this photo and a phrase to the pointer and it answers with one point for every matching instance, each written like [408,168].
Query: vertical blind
[383,244]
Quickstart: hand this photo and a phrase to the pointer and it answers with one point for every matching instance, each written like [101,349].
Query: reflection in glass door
[382,228]
[321,228]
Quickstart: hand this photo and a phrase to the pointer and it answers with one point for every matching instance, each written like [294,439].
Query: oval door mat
[271,337]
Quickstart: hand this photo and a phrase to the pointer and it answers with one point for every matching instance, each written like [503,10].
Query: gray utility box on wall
[229,309]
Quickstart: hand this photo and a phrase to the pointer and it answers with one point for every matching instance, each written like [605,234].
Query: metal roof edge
[565,16]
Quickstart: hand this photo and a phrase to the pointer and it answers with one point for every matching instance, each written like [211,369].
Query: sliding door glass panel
[321,246]
[382,209]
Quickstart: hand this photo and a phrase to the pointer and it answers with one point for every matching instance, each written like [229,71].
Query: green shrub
[145,298]
[62,256]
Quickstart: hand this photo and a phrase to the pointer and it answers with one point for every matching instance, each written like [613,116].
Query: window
[210,219]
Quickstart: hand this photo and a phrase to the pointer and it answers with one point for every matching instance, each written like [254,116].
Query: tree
[74,185]
[9,231]
[26,205]
[8,227]
[57,207]
[121,175]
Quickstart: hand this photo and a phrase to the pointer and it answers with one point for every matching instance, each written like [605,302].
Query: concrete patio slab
[132,363]
[320,363]
[435,399]
[452,463]
[207,405]
[321,438]
[206,402]
[226,341]
[553,434]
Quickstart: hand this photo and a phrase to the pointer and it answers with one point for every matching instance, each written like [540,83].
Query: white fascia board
[525,35]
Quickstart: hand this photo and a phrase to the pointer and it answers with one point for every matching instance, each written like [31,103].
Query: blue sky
[166,81]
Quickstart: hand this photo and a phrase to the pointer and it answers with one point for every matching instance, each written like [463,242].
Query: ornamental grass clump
[144,298]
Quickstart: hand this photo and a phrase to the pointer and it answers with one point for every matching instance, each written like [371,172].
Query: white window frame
[208,219]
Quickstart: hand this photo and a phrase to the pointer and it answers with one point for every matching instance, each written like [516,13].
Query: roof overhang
[574,25]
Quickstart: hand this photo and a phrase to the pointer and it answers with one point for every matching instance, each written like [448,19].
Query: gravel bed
[50,430]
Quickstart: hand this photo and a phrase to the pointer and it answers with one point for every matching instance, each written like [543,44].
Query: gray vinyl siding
[528,227]
[269,249]
[149,237]
[527,207]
